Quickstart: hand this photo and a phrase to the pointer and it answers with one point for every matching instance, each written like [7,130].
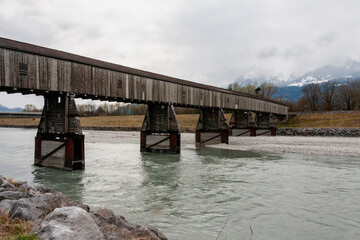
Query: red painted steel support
[197,137]
[273,131]
[174,142]
[37,148]
[142,141]
[69,154]
[253,132]
[225,136]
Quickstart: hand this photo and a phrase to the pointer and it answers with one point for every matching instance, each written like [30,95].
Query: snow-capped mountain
[290,86]
[279,80]
[350,69]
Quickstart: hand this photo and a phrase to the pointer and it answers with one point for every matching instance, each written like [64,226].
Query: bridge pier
[265,124]
[59,142]
[160,131]
[211,127]
[242,123]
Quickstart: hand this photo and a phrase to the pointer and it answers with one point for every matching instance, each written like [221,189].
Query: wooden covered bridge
[60,77]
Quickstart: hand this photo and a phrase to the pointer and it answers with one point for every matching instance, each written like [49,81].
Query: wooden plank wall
[49,74]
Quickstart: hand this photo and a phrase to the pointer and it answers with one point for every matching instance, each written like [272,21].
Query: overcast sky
[212,42]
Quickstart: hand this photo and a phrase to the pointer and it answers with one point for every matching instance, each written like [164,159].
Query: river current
[202,191]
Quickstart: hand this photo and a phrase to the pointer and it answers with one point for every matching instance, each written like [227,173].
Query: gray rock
[107,215]
[68,223]
[11,195]
[5,205]
[83,206]
[6,184]
[157,232]
[37,207]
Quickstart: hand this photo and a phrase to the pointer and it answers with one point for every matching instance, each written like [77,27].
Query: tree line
[329,96]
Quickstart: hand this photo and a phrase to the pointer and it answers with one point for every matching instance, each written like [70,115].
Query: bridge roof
[48,52]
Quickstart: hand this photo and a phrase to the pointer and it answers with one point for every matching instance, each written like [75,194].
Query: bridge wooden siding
[28,68]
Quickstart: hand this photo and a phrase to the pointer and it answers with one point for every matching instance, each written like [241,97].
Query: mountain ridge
[6,109]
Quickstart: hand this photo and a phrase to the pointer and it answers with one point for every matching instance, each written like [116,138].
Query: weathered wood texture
[29,67]
[211,120]
[160,118]
[59,115]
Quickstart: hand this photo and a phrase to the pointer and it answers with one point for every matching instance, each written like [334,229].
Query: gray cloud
[268,52]
[212,42]
[326,39]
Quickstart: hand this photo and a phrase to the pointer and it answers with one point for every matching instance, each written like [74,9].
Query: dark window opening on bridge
[227,100]
[120,82]
[23,69]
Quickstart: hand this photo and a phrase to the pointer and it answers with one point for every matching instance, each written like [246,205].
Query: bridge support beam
[265,124]
[160,131]
[59,142]
[211,127]
[242,123]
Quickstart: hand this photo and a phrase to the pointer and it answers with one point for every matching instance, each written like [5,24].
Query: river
[248,194]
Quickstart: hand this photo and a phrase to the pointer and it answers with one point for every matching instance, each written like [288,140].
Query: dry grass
[189,121]
[19,121]
[15,228]
[323,120]
[186,121]
[11,180]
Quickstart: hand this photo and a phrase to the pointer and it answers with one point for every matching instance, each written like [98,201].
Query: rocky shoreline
[324,132]
[57,217]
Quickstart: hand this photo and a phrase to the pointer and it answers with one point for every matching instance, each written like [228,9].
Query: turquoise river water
[197,193]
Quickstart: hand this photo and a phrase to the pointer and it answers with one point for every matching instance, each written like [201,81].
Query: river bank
[331,146]
[54,216]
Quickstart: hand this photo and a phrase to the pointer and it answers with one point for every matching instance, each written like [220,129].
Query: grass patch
[186,121]
[189,121]
[325,120]
[15,229]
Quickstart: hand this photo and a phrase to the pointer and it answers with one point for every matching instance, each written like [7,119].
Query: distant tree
[250,88]
[30,108]
[100,111]
[267,89]
[328,94]
[235,87]
[312,94]
[348,94]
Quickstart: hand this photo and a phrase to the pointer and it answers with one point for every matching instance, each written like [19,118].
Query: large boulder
[36,207]
[68,223]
